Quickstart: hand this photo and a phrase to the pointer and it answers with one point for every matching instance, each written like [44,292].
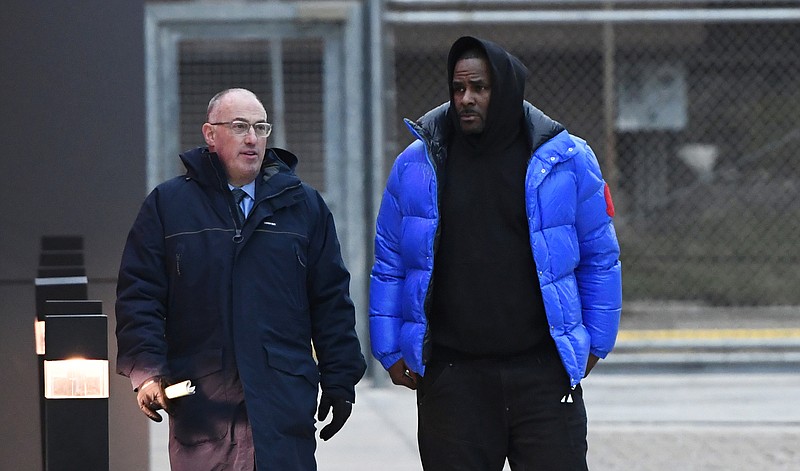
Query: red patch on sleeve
[609,201]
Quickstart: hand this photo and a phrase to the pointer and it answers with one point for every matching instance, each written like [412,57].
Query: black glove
[341,411]
[151,397]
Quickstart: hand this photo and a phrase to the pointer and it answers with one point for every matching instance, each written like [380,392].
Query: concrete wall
[72,127]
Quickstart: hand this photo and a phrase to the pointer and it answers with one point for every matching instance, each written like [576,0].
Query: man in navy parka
[497,283]
[233,301]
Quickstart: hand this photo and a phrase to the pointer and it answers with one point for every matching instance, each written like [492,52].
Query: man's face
[241,155]
[472,89]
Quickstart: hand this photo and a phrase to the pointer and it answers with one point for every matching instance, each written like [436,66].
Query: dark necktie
[238,196]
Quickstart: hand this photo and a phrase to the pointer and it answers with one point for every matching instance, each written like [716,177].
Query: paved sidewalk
[381,435]
[657,422]
[687,387]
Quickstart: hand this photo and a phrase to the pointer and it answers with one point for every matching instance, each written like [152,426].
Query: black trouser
[473,414]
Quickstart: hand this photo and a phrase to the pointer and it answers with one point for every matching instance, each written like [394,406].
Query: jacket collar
[434,127]
[277,171]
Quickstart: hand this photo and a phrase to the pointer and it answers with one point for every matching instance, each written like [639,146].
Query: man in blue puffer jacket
[497,282]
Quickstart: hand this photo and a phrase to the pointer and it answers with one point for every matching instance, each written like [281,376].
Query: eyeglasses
[240,128]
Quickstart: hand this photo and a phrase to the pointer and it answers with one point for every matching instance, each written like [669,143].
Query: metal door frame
[340,25]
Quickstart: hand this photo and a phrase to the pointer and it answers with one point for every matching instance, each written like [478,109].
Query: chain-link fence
[208,66]
[693,108]
[696,123]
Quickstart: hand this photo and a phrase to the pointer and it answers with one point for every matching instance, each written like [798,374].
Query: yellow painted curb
[711,334]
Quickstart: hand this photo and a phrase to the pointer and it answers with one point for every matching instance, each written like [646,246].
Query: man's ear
[208,135]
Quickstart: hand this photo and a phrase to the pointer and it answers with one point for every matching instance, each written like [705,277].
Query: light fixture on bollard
[76,362]
[61,276]
[76,378]
[76,386]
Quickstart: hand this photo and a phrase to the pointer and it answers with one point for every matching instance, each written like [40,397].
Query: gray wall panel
[72,127]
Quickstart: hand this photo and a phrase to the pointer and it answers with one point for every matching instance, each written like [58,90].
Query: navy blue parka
[199,297]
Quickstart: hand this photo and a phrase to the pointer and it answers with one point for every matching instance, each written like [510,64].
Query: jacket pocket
[295,363]
[301,274]
[195,366]
[204,416]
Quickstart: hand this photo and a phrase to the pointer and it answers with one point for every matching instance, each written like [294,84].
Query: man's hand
[151,397]
[402,376]
[593,359]
[341,412]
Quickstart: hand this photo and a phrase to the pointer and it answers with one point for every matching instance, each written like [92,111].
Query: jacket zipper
[238,237]
[432,159]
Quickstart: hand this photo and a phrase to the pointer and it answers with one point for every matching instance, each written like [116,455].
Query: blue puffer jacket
[572,237]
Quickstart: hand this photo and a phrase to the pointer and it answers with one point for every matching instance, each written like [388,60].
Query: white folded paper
[184,388]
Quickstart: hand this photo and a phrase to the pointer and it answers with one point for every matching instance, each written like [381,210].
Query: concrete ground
[658,422]
[687,388]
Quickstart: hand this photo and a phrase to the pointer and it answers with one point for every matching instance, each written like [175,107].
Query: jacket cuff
[338,392]
[139,376]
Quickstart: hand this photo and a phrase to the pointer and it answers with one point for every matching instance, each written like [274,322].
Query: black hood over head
[505,111]
[486,301]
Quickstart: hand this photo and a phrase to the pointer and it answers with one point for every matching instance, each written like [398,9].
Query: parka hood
[205,166]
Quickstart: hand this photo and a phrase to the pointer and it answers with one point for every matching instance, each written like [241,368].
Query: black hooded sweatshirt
[486,296]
